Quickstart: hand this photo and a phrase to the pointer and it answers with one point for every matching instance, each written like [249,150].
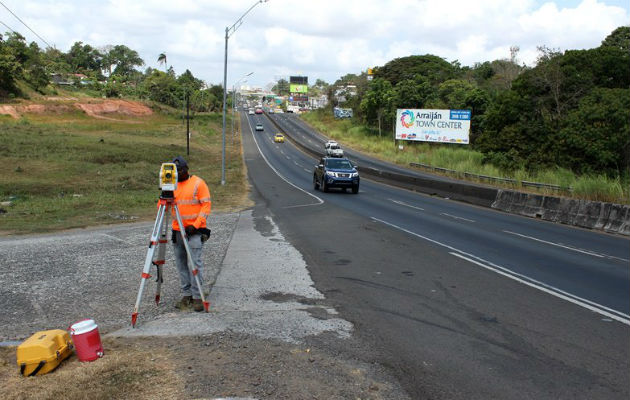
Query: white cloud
[322,39]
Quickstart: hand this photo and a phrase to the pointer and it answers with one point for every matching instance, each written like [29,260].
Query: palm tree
[162,60]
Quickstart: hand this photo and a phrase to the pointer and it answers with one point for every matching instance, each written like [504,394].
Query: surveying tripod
[160,229]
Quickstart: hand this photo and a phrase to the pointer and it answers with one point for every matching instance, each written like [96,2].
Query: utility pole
[229,31]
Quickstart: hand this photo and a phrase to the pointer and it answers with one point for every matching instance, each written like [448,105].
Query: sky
[321,39]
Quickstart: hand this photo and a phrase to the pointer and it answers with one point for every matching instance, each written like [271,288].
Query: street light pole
[243,80]
[229,31]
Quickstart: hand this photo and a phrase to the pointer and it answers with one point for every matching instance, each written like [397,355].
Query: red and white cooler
[86,339]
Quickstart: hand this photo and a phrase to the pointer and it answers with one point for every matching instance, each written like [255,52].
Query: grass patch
[462,159]
[126,371]
[70,170]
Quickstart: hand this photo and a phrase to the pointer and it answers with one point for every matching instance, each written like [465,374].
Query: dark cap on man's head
[180,162]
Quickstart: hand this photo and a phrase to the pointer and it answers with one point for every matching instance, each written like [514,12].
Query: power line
[24,23]
[8,27]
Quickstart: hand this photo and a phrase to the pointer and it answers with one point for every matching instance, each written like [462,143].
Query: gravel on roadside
[51,281]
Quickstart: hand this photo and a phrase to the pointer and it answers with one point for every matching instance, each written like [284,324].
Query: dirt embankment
[104,109]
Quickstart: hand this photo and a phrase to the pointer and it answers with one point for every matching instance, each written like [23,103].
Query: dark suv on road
[335,172]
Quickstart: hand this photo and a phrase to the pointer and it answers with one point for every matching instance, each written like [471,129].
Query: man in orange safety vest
[192,197]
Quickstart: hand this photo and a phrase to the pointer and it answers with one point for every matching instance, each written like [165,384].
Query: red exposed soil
[93,108]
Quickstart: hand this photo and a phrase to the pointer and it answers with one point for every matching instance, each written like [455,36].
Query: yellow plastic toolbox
[43,352]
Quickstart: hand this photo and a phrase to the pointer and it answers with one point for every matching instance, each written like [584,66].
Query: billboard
[299,80]
[298,88]
[298,97]
[444,126]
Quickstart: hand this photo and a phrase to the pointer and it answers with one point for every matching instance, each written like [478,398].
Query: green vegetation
[564,121]
[25,69]
[71,170]
[454,157]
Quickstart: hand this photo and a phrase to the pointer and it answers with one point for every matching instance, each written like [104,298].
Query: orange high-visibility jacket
[192,197]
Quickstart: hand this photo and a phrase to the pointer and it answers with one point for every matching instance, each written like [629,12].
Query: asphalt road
[458,301]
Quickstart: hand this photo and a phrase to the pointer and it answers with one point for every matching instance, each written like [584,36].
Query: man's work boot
[184,303]
[197,305]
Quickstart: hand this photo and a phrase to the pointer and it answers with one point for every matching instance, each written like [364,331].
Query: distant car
[333,149]
[259,127]
[259,111]
[271,111]
[279,111]
[278,138]
[336,172]
[251,112]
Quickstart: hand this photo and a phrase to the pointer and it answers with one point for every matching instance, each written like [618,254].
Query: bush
[111,90]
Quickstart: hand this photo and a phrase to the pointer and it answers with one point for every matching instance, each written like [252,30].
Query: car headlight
[354,174]
[329,173]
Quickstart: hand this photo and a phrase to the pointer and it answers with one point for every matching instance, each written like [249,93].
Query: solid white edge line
[278,173]
[516,275]
[551,292]
[563,246]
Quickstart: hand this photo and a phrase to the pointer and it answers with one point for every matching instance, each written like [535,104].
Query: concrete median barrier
[609,217]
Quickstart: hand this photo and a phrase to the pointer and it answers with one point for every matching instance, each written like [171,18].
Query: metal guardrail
[492,178]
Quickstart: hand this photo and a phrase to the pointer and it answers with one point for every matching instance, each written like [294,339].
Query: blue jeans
[187,280]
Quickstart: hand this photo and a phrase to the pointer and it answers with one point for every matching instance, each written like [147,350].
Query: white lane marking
[402,203]
[555,292]
[617,315]
[280,175]
[307,170]
[456,217]
[590,253]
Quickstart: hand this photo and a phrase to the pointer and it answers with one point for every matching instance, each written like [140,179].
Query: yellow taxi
[278,138]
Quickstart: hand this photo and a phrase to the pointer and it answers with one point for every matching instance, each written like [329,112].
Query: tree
[414,93]
[84,58]
[162,60]
[281,87]
[122,59]
[619,39]
[10,70]
[34,69]
[596,135]
[189,82]
[377,100]
[161,87]
[435,69]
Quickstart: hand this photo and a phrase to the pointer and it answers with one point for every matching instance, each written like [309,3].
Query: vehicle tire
[324,186]
[355,189]
[315,184]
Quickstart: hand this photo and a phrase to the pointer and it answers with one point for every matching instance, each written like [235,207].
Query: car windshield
[339,164]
